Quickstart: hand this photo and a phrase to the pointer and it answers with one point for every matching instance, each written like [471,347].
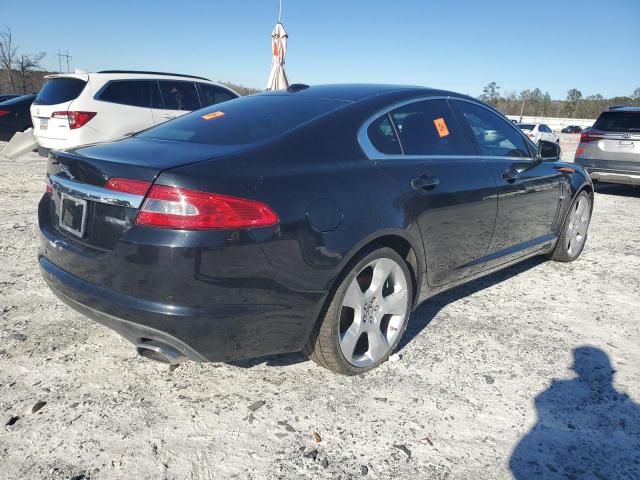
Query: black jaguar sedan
[313,219]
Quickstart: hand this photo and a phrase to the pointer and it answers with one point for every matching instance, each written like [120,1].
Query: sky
[455,45]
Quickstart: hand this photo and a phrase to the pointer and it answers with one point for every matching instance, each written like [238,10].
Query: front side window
[429,127]
[179,95]
[495,136]
[212,94]
[135,93]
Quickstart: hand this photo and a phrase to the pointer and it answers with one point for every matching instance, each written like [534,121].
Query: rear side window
[59,90]
[526,126]
[212,94]
[618,122]
[179,95]
[495,136]
[429,128]
[135,93]
[244,120]
[383,136]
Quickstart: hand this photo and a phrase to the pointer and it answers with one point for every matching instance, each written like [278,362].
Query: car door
[547,134]
[178,97]
[125,107]
[529,191]
[448,192]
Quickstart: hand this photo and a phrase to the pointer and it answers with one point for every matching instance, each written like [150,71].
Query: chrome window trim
[93,193]
[373,154]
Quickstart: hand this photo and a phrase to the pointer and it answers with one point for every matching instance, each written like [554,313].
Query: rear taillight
[531,135]
[135,187]
[180,208]
[76,119]
[590,136]
[4,112]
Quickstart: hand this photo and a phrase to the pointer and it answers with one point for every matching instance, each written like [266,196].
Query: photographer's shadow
[585,428]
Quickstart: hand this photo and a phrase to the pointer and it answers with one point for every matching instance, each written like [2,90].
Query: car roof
[358,91]
[121,74]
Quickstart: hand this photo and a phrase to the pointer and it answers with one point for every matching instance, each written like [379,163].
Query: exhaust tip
[160,352]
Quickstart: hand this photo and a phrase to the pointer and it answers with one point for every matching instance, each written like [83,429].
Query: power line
[66,56]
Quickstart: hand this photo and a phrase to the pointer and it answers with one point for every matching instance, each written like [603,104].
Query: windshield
[618,122]
[244,120]
[59,90]
[526,126]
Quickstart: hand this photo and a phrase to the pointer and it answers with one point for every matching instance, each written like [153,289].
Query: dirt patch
[457,402]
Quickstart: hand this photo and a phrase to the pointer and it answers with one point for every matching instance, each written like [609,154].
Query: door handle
[168,115]
[510,175]
[425,182]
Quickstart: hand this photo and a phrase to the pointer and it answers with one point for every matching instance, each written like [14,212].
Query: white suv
[80,108]
[539,131]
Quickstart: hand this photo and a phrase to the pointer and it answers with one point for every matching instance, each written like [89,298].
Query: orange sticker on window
[441,127]
[212,115]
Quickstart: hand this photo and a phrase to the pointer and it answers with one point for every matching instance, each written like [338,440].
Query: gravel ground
[511,375]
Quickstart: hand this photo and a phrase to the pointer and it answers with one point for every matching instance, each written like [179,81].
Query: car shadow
[617,189]
[426,312]
[419,319]
[585,427]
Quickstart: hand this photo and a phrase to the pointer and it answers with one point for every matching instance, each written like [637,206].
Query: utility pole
[60,56]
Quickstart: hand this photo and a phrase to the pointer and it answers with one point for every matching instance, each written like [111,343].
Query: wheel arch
[408,248]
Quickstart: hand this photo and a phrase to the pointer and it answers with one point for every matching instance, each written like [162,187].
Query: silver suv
[610,150]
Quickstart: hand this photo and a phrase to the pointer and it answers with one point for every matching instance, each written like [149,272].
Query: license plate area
[72,215]
[44,123]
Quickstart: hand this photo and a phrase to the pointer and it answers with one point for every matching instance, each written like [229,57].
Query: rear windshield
[618,122]
[526,126]
[243,121]
[59,90]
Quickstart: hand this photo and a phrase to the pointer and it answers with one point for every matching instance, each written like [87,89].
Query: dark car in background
[572,129]
[313,219]
[9,96]
[15,115]
[610,149]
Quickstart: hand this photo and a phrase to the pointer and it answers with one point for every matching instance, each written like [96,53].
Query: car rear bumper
[627,173]
[212,296]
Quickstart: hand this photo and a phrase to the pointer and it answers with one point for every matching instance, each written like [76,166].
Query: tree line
[533,102]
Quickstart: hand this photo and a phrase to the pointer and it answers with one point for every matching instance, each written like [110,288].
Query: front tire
[366,316]
[574,231]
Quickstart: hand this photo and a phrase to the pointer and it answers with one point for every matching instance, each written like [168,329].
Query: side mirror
[548,151]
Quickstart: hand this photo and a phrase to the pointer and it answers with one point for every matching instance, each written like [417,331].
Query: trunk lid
[84,211]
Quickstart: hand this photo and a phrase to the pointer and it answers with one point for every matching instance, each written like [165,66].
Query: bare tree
[26,64]
[8,54]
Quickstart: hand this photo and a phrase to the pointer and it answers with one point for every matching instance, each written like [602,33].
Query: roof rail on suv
[154,73]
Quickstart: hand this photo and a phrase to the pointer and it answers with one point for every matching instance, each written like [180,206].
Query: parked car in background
[9,96]
[15,116]
[572,129]
[539,131]
[610,149]
[316,218]
[81,108]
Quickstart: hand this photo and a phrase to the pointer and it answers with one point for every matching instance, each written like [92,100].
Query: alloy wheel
[373,311]
[578,226]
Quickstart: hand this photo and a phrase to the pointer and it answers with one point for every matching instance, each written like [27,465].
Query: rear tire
[575,230]
[367,315]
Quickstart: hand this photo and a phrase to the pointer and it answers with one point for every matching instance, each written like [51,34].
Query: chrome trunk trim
[93,193]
